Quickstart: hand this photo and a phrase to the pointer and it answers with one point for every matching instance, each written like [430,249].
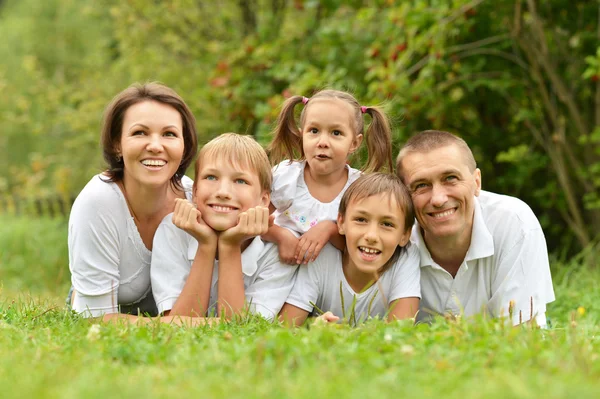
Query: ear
[265,199]
[340,224]
[405,238]
[356,143]
[477,177]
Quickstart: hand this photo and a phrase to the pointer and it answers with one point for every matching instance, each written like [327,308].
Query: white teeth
[443,214]
[369,250]
[153,162]
[219,208]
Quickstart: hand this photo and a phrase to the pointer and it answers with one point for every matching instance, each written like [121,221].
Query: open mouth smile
[222,208]
[153,163]
[442,214]
[369,254]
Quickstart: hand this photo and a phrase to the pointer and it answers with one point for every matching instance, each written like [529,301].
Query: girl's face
[374,227]
[328,135]
[151,144]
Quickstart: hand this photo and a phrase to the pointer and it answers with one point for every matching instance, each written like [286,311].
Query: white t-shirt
[507,261]
[297,210]
[267,282]
[109,263]
[322,281]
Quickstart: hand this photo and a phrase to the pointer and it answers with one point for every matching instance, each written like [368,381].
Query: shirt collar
[250,256]
[482,242]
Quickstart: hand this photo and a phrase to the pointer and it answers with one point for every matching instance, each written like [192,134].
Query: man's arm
[522,284]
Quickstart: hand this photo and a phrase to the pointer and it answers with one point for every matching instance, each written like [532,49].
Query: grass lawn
[49,352]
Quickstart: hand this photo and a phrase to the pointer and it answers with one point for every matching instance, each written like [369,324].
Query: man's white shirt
[267,282]
[507,263]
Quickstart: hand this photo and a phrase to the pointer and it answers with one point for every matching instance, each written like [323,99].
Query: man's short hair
[430,140]
[240,150]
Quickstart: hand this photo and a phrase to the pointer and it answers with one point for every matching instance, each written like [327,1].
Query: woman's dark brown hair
[112,126]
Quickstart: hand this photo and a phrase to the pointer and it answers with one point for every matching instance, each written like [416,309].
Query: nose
[439,197]
[224,189]
[371,233]
[323,141]
[154,143]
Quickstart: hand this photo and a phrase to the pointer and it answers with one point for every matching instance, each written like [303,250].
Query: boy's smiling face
[374,228]
[223,190]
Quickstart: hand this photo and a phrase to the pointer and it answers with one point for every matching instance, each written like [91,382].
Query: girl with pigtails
[312,171]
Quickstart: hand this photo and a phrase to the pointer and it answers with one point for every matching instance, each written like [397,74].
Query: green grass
[47,352]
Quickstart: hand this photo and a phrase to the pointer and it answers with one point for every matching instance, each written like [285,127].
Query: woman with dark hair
[149,140]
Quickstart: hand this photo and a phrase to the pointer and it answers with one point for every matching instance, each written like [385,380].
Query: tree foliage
[518,79]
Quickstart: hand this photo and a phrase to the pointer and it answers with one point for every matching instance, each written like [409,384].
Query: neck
[448,252]
[328,179]
[146,202]
[358,280]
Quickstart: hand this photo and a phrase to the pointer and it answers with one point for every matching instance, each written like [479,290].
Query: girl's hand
[287,243]
[310,244]
[326,318]
[254,222]
[189,219]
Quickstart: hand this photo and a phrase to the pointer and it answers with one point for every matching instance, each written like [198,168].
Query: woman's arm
[403,308]
[292,316]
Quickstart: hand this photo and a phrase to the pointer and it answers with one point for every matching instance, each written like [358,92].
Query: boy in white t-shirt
[378,272]
[209,259]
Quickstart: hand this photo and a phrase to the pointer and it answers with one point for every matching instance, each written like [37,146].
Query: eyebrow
[238,173]
[335,125]
[444,173]
[365,213]
[147,128]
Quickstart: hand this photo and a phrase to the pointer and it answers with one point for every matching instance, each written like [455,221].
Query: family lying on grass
[309,236]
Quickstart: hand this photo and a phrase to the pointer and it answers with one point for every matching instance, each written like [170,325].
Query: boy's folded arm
[195,295]
[231,297]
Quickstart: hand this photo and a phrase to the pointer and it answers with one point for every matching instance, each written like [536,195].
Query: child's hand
[254,222]
[189,219]
[326,318]
[310,244]
[287,245]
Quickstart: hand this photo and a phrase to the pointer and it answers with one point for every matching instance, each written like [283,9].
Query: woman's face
[151,144]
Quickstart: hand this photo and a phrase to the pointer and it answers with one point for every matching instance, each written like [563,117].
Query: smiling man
[480,251]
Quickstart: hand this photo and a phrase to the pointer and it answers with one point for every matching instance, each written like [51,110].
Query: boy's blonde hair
[243,152]
[372,184]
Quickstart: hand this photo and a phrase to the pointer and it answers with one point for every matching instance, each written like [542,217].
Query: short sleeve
[170,265]
[285,180]
[267,294]
[523,279]
[93,241]
[306,288]
[406,277]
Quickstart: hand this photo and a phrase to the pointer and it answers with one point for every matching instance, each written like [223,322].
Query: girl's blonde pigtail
[287,138]
[379,142]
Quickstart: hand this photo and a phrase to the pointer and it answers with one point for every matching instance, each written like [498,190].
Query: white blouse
[109,263]
[297,209]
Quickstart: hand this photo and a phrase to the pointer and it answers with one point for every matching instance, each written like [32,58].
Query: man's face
[443,190]
[224,190]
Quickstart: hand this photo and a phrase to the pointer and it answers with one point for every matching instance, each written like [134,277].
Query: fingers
[330,317]
[301,249]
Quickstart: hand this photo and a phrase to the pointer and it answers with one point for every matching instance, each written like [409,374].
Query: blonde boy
[208,258]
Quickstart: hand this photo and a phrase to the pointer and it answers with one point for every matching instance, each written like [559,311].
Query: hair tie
[304,100]
[363,109]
